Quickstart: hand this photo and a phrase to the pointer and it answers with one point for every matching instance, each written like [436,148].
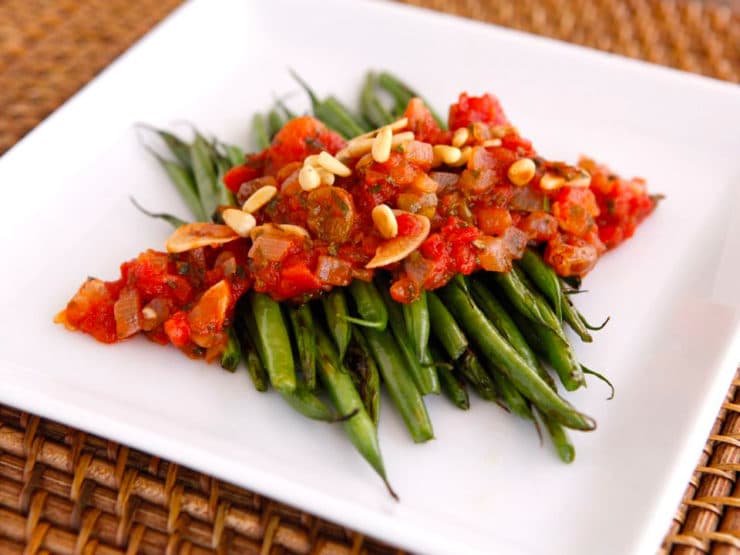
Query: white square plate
[484,485]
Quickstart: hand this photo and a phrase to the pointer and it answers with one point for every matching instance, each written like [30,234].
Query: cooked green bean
[304,334]
[498,351]
[174,221]
[310,405]
[179,148]
[369,305]
[453,386]
[416,318]
[548,282]
[545,278]
[232,356]
[260,133]
[364,374]
[337,318]
[445,328]
[360,428]
[560,440]
[400,385]
[402,93]
[527,301]
[372,109]
[470,367]
[205,175]
[274,342]
[234,154]
[183,181]
[247,329]
[275,123]
[424,376]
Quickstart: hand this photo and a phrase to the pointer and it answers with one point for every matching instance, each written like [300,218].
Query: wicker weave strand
[63,491]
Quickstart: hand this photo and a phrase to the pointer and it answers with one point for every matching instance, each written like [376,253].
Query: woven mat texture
[63,491]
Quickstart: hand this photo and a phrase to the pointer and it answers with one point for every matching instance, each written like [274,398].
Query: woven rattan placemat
[63,491]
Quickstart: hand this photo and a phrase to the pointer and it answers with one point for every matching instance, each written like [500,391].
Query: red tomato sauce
[479,219]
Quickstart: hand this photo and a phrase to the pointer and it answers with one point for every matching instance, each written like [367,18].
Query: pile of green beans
[492,332]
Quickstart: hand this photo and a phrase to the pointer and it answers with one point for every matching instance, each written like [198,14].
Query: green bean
[527,301]
[183,181]
[402,93]
[304,334]
[498,351]
[179,148]
[372,109]
[558,353]
[289,114]
[545,278]
[364,374]
[500,318]
[274,342]
[560,440]
[337,315]
[548,282]
[400,385]
[205,175]
[235,155]
[307,403]
[223,165]
[498,315]
[425,377]
[453,386]
[470,367]
[369,305]
[247,330]
[232,355]
[260,133]
[360,428]
[174,221]
[275,123]
[512,399]
[445,328]
[416,318]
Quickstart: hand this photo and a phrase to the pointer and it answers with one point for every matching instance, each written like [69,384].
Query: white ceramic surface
[484,485]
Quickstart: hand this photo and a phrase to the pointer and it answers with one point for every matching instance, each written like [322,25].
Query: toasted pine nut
[241,222]
[309,178]
[259,198]
[460,137]
[464,156]
[294,229]
[582,180]
[149,313]
[550,182]
[446,154]
[401,138]
[385,221]
[382,145]
[522,171]
[328,162]
[491,143]
[327,178]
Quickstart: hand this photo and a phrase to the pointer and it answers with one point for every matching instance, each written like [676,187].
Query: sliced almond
[196,235]
[398,248]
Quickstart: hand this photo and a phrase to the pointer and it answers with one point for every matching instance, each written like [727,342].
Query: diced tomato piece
[493,220]
[299,138]
[470,109]
[433,247]
[177,329]
[237,175]
[423,124]
[296,280]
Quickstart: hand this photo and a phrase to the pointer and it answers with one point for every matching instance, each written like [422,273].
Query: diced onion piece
[208,315]
[154,314]
[271,246]
[127,312]
[401,246]
[227,262]
[333,270]
[515,241]
[196,235]
[445,180]
[493,254]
